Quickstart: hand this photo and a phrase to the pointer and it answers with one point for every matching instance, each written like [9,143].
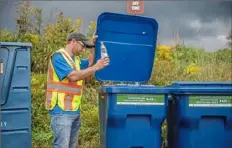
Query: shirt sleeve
[60,65]
[84,63]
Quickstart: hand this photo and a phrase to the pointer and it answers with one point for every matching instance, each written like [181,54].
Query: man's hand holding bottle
[102,63]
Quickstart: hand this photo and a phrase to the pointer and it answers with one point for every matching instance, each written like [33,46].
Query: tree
[29,18]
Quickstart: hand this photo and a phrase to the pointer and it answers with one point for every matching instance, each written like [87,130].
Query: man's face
[78,46]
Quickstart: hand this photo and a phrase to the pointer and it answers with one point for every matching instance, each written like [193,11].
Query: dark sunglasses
[82,44]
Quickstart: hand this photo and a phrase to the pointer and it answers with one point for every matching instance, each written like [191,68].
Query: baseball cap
[80,37]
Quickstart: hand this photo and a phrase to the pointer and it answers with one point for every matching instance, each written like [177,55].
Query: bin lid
[132,89]
[201,88]
[131,44]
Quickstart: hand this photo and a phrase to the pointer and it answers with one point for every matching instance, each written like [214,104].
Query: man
[66,73]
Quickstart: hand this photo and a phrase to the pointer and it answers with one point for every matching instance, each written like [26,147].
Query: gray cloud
[200,23]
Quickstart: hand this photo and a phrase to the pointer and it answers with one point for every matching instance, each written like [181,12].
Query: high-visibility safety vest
[66,94]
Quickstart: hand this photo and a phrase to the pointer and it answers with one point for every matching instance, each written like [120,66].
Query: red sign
[135,6]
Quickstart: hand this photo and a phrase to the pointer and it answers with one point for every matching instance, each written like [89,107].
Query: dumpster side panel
[15,96]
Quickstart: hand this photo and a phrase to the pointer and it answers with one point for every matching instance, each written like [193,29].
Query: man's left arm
[92,51]
[91,56]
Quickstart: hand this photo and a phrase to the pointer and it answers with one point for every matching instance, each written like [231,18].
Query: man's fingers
[107,60]
[104,61]
[107,57]
[94,37]
[105,64]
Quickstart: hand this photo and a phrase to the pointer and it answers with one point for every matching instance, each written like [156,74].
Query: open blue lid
[131,44]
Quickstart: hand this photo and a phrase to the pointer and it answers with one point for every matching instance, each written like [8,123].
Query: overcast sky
[200,23]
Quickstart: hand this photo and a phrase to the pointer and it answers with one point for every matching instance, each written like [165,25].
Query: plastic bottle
[103,50]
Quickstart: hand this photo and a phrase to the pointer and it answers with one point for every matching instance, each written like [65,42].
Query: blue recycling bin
[130,114]
[200,115]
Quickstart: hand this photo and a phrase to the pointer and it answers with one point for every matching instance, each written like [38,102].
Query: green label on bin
[140,99]
[210,101]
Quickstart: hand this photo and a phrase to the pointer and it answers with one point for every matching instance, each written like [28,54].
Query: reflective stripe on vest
[66,94]
[63,88]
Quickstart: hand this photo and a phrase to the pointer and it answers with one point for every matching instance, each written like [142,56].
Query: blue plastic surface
[142,89]
[15,95]
[131,44]
[200,115]
[200,88]
[133,124]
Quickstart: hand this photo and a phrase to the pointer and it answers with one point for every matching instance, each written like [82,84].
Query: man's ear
[74,42]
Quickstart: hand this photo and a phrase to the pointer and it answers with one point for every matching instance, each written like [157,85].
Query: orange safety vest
[65,94]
